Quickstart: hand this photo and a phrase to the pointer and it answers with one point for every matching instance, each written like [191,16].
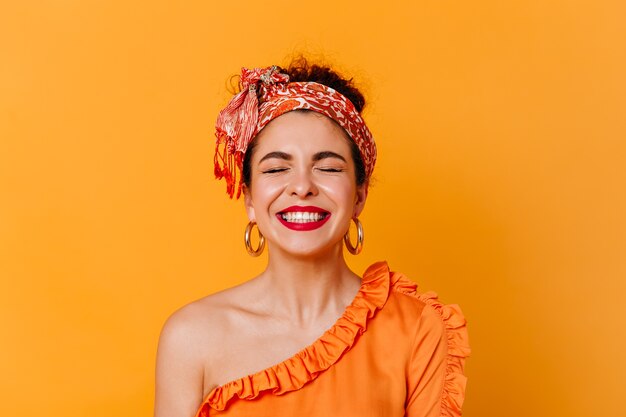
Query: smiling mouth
[303,217]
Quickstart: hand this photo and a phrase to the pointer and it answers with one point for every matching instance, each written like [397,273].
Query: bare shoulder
[200,325]
[191,346]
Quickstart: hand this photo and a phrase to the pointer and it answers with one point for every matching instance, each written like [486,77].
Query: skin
[305,287]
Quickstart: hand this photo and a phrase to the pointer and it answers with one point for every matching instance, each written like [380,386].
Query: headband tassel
[237,123]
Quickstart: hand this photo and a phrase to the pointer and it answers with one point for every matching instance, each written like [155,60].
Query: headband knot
[250,78]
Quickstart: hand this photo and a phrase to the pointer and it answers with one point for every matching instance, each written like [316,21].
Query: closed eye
[331,169]
[273,170]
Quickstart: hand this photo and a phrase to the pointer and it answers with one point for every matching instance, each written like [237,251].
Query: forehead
[302,132]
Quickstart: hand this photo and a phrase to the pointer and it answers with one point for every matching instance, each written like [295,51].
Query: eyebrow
[327,154]
[317,157]
[277,155]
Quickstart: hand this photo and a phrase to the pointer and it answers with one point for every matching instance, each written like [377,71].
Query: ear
[247,201]
[361,196]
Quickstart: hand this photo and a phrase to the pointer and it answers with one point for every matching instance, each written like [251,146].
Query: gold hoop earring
[355,250]
[259,249]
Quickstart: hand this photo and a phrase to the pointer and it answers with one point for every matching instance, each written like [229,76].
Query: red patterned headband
[245,116]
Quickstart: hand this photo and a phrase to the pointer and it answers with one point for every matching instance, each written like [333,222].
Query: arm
[179,370]
[436,382]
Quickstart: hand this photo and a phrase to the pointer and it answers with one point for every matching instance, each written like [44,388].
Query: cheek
[265,190]
[343,193]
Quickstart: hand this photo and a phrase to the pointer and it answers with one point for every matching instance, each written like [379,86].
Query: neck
[304,289]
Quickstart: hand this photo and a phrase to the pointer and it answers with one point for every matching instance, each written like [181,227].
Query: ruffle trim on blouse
[453,393]
[306,365]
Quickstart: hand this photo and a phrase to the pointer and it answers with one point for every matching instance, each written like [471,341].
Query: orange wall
[500,184]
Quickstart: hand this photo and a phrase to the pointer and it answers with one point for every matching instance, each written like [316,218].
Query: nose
[302,184]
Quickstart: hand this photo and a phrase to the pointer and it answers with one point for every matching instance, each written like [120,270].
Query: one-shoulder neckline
[305,365]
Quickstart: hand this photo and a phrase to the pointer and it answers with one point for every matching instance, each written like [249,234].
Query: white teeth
[303,217]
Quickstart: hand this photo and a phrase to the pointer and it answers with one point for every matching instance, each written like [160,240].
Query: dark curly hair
[300,70]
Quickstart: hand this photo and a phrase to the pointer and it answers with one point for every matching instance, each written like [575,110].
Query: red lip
[303,226]
[310,209]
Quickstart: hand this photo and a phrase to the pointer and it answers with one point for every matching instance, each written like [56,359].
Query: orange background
[500,184]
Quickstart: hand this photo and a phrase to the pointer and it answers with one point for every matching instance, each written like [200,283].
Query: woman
[307,336]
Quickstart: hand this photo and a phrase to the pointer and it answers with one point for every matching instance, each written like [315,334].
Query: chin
[306,252]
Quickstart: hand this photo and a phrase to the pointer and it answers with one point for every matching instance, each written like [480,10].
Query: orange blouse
[394,352]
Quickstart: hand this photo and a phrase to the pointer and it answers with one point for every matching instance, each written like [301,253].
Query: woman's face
[303,191]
